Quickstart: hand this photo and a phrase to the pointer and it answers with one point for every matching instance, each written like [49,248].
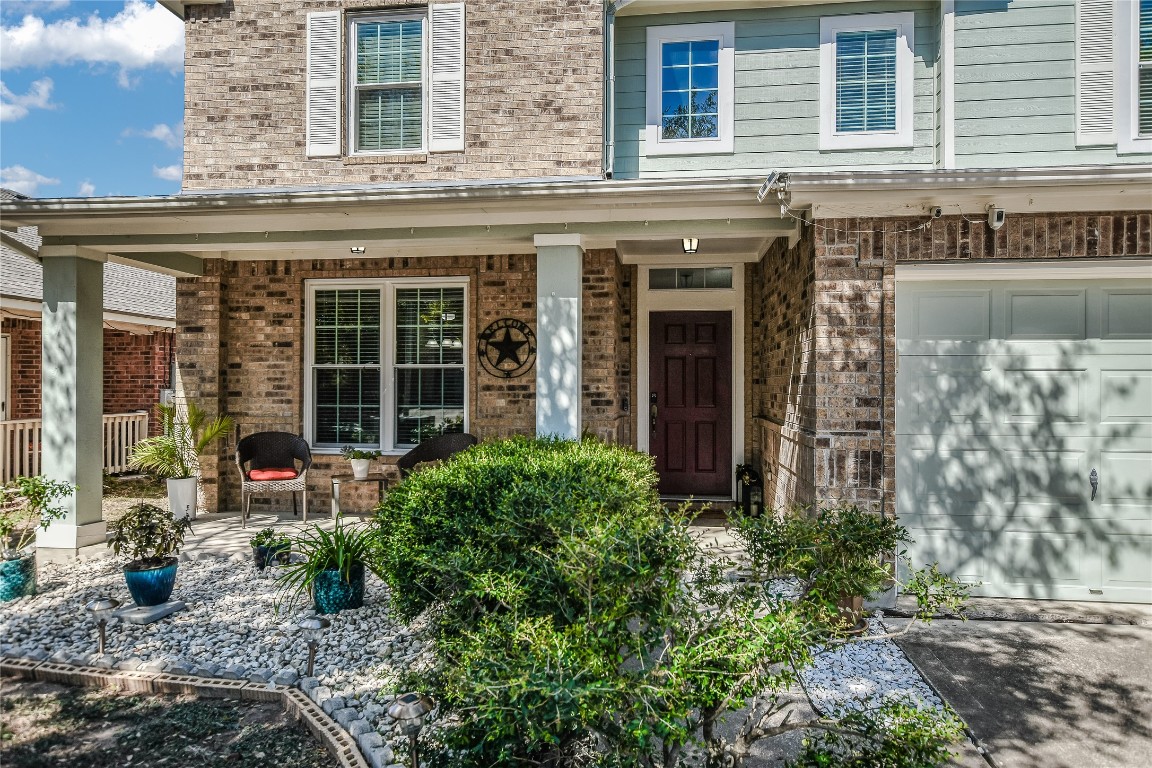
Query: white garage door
[1010,394]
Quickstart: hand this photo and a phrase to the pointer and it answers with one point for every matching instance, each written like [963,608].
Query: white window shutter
[323,128]
[1094,72]
[446,129]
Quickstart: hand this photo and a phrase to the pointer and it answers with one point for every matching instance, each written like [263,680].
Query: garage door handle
[1094,481]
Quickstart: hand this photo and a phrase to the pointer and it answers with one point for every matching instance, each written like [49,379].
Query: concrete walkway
[1045,695]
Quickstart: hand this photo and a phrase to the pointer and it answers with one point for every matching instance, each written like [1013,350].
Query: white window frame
[388,288]
[724,32]
[1126,31]
[830,27]
[351,98]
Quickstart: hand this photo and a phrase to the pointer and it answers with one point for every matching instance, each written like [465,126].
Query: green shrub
[575,622]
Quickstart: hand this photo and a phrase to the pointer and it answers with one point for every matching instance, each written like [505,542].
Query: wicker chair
[272,458]
[435,449]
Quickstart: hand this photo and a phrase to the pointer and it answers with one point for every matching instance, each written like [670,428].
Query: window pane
[690,67]
[388,51]
[391,119]
[687,279]
[430,327]
[347,327]
[1145,30]
[1145,96]
[866,81]
[347,406]
[429,402]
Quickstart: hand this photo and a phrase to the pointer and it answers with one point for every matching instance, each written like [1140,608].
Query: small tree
[576,621]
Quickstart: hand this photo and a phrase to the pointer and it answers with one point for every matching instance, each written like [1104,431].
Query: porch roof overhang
[642,219]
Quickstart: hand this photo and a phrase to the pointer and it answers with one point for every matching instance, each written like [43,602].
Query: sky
[91,98]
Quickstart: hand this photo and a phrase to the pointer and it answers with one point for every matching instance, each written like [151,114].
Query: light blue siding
[1016,86]
[777,98]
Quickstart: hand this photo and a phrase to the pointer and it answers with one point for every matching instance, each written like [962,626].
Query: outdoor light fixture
[409,711]
[691,244]
[357,249]
[312,629]
[101,608]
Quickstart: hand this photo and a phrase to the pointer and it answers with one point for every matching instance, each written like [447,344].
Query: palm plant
[175,453]
[344,550]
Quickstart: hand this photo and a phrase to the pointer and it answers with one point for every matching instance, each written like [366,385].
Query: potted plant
[332,567]
[150,537]
[361,460]
[841,555]
[175,453]
[26,503]
[267,545]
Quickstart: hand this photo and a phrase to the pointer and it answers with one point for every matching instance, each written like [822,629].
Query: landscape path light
[101,608]
[313,629]
[409,711]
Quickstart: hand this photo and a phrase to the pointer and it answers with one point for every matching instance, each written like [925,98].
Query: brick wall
[253,370]
[606,321]
[135,369]
[532,96]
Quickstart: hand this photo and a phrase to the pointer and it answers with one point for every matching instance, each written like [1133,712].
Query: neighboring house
[897,254]
[138,323]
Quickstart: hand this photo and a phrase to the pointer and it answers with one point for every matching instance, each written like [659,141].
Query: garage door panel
[968,472]
[1125,396]
[1125,476]
[963,557]
[1127,313]
[1043,559]
[1046,314]
[1043,395]
[936,394]
[955,315]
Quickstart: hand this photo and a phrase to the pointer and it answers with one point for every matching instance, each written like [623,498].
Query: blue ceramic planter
[265,556]
[332,594]
[151,586]
[17,577]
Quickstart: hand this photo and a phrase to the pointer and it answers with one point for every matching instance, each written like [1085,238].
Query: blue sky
[91,98]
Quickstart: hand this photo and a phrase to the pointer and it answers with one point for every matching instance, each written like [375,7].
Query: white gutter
[11,241]
[948,83]
[975,178]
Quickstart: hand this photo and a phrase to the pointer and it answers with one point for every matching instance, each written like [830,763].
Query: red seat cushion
[272,474]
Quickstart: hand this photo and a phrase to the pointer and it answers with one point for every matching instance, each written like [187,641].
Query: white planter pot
[360,468]
[182,497]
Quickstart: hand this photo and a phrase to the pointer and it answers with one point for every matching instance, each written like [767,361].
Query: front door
[690,403]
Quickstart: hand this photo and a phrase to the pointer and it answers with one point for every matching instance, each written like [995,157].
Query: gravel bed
[231,630]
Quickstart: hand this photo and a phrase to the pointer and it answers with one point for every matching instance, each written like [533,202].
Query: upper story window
[690,90]
[402,82]
[1133,38]
[387,90]
[866,73]
[1144,87]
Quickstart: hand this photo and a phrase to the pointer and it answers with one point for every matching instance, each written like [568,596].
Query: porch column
[72,391]
[559,341]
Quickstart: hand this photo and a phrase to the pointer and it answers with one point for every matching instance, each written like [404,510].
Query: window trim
[1126,42]
[351,87]
[905,25]
[724,32]
[388,287]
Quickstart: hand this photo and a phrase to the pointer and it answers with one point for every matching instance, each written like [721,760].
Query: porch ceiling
[652,217]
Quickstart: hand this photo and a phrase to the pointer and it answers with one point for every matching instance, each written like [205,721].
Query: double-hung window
[399,76]
[866,72]
[690,89]
[386,362]
[1133,40]
[387,92]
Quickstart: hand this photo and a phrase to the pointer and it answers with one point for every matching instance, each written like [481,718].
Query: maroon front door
[690,402]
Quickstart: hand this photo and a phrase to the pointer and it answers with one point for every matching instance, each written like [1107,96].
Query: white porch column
[559,342]
[72,391]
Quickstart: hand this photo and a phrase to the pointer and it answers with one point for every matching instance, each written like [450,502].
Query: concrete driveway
[1045,695]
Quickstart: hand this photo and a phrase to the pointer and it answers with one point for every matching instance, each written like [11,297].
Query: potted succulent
[331,568]
[361,460]
[175,453]
[151,537]
[26,504]
[267,545]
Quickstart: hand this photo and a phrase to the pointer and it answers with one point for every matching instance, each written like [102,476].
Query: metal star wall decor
[507,348]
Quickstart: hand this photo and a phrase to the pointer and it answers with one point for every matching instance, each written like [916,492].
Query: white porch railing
[20,441]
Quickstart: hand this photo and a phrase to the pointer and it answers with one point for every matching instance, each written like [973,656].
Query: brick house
[897,253]
[139,320]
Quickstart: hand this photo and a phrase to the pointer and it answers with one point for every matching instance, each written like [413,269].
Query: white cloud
[20,179]
[13,106]
[87,188]
[140,36]
[168,172]
[172,137]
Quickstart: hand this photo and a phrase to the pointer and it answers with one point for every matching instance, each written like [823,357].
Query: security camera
[937,212]
[995,216]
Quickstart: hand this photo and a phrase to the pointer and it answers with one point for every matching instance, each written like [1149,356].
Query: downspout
[609,89]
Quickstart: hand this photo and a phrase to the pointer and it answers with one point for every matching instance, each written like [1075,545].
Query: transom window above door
[690,89]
